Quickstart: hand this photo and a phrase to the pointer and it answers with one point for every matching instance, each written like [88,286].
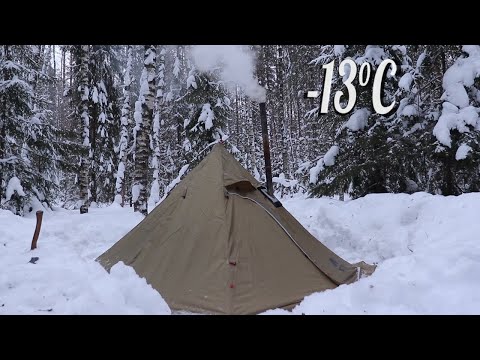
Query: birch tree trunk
[143,119]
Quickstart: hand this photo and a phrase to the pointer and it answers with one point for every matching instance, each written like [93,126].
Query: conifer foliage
[92,124]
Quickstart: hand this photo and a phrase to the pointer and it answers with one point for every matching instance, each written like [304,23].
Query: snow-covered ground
[65,279]
[427,249]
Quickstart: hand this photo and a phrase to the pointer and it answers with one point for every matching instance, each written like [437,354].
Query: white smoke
[236,63]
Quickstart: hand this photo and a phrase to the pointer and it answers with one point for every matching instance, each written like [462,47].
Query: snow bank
[426,247]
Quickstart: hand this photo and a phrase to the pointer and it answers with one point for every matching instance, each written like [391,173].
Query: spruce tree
[210,111]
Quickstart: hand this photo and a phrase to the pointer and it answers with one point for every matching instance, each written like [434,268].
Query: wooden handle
[37,229]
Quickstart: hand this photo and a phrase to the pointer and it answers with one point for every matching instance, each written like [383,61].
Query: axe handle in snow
[37,229]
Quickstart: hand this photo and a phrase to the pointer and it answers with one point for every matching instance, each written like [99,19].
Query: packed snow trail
[427,250]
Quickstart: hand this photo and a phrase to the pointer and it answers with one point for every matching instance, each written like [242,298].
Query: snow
[169,97]
[288,183]
[237,67]
[154,194]
[121,170]
[315,171]
[405,82]
[151,56]
[10,159]
[460,75]
[95,95]
[66,279]
[373,54]
[143,86]
[191,81]
[454,118]
[410,110]
[15,82]
[176,67]
[329,157]
[462,152]
[136,192]
[425,247]
[256,174]
[137,115]
[206,116]
[457,112]
[338,50]
[420,60]
[14,185]
[358,120]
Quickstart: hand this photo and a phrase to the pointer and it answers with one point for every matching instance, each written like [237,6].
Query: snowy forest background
[92,124]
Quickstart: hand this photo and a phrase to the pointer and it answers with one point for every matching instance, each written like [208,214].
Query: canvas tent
[218,245]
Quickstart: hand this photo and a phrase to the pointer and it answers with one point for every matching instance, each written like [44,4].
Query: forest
[93,124]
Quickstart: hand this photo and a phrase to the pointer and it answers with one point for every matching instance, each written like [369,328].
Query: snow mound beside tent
[427,249]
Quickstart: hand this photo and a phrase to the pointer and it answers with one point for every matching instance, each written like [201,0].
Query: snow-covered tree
[105,113]
[457,130]
[26,135]
[359,158]
[158,121]
[81,100]
[125,129]
[210,111]
[142,131]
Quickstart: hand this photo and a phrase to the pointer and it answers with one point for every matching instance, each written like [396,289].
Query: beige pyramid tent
[218,245]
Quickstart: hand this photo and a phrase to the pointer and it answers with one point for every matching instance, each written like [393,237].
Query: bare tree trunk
[142,153]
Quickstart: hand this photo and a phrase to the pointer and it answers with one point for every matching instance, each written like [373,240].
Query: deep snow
[66,279]
[426,247]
